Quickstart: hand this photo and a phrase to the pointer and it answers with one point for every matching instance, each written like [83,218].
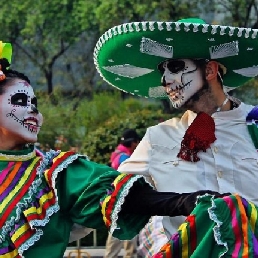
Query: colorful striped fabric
[225,227]
[127,226]
[152,237]
[109,201]
[27,200]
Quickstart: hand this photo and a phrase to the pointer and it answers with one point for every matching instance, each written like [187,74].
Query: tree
[108,13]
[239,13]
[42,30]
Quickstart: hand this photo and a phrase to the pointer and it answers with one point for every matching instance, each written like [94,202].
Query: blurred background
[53,42]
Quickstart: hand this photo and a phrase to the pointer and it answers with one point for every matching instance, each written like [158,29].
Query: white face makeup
[182,79]
[19,117]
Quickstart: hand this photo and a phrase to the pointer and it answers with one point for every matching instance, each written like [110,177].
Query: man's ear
[211,70]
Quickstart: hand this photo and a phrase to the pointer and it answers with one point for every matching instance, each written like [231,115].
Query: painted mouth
[32,124]
[31,121]
[174,92]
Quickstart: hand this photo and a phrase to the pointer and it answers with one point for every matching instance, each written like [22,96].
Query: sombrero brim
[127,55]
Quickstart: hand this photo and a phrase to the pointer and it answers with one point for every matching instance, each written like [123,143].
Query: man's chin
[180,105]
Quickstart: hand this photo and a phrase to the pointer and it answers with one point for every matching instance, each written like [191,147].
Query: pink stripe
[235,225]
[4,172]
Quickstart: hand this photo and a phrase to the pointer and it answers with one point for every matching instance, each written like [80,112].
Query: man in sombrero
[213,146]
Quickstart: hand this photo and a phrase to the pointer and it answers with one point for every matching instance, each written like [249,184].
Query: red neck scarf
[198,137]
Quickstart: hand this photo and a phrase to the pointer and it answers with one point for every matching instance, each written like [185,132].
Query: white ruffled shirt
[229,165]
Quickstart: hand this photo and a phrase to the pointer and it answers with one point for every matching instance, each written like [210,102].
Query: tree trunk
[49,79]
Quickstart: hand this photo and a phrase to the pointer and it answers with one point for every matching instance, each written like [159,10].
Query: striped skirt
[223,227]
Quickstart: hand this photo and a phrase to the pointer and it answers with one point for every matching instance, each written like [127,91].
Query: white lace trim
[123,194]
[32,190]
[51,210]
[216,229]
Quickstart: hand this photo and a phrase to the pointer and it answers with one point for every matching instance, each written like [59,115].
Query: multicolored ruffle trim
[33,200]
[219,227]
[123,227]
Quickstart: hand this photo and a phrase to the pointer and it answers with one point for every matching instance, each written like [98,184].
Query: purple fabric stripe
[39,195]
[254,240]
[16,179]
[255,246]
[7,249]
[245,204]
[175,246]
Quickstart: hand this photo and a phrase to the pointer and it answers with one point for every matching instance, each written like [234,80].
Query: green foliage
[241,13]
[42,30]
[99,144]
[248,93]
[108,13]
[76,117]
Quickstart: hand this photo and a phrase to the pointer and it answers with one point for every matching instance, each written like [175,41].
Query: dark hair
[10,74]
[129,136]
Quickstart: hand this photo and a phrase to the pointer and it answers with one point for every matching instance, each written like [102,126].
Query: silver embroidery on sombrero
[157,92]
[127,70]
[224,50]
[248,71]
[151,47]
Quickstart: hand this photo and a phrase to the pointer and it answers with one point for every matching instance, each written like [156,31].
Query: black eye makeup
[174,66]
[19,99]
[34,101]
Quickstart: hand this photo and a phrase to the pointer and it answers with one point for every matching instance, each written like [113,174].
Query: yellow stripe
[20,232]
[54,160]
[5,157]
[18,186]
[44,198]
[103,209]
[10,255]
[244,226]
[46,175]
[118,178]
[60,155]
[253,218]
[184,237]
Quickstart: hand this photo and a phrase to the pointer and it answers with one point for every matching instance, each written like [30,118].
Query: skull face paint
[181,79]
[19,117]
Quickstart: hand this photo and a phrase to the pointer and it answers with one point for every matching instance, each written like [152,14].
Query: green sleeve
[92,195]
[80,188]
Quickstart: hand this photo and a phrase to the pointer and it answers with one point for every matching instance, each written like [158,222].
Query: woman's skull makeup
[181,79]
[19,116]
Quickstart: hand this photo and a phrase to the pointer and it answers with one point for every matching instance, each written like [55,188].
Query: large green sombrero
[127,56]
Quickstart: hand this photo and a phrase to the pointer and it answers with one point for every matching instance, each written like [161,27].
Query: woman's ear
[211,70]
